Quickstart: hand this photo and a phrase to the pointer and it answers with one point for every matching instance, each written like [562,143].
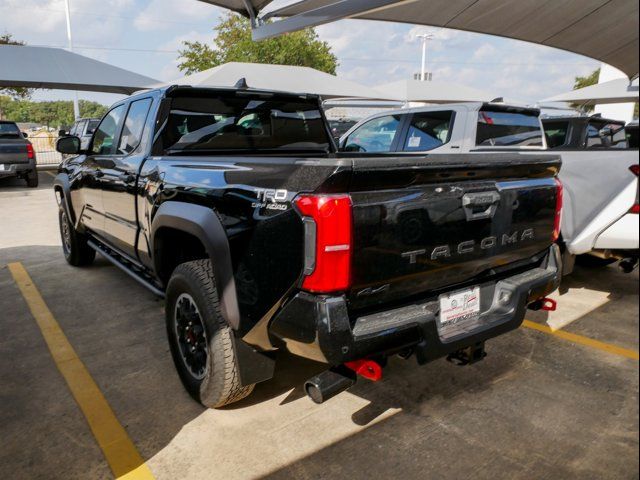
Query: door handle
[127,178]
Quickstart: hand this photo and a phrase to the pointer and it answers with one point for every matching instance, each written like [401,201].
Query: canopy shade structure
[606,30]
[279,77]
[432,92]
[614,91]
[42,67]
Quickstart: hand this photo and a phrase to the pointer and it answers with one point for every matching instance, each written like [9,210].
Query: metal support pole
[76,106]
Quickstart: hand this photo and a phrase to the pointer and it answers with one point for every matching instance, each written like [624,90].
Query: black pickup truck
[235,206]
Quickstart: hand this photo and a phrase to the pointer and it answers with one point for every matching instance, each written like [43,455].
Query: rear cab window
[209,122]
[428,130]
[556,133]
[9,130]
[500,126]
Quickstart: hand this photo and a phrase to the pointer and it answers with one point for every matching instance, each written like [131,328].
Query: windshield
[508,128]
[228,122]
[9,130]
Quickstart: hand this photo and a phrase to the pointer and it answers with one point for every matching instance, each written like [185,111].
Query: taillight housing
[635,169]
[635,209]
[558,218]
[30,153]
[328,236]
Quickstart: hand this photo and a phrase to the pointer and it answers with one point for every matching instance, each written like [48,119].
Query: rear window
[508,128]
[605,135]
[556,133]
[224,122]
[9,130]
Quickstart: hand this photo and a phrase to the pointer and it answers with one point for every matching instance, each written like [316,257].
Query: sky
[144,36]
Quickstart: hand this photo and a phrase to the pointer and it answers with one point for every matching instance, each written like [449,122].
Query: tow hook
[546,304]
[469,355]
[336,380]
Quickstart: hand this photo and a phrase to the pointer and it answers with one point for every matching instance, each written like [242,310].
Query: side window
[428,130]
[103,139]
[605,135]
[374,136]
[134,125]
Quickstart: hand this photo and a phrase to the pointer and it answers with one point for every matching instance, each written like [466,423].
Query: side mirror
[62,133]
[352,147]
[68,145]
[25,134]
[605,132]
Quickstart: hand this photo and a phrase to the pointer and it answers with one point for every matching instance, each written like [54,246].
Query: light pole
[425,38]
[76,107]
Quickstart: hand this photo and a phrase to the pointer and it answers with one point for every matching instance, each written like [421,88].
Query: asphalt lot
[540,405]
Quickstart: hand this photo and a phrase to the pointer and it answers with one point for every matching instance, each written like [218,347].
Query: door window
[103,139]
[557,133]
[606,135]
[134,126]
[376,135]
[428,130]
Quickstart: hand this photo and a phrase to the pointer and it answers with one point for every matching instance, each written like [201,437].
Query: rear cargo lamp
[558,217]
[328,219]
[30,153]
[635,209]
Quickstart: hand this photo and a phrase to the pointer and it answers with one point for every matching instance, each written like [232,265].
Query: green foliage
[52,114]
[233,43]
[17,92]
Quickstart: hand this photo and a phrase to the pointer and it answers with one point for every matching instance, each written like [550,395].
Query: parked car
[233,205]
[449,128]
[82,128]
[341,126]
[17,156]
[600,175]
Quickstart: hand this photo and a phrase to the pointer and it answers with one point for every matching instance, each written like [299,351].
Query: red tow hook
[549,305]
[366,368]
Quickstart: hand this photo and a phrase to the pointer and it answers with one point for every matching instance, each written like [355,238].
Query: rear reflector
[328,219]
[635,209]
[30,152]
[635,169]
[558,218]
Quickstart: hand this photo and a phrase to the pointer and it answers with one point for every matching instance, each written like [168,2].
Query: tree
[233,43]
[17,92]
[52,114]
[587,81]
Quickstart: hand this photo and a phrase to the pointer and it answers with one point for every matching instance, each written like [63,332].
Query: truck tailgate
[424,223]
[13,151]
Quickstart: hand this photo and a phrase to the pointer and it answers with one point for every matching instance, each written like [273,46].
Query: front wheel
[74,244]
[201,341]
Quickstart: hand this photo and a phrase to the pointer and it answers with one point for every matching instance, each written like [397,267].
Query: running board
[126,266]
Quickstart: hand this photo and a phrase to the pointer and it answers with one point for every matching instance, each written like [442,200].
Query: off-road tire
[74,246]
[220,384]
[32,179]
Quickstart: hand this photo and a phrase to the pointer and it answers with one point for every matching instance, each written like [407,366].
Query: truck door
[119,182]
[87,197]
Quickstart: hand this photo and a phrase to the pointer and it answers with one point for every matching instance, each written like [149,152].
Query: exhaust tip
[328,384]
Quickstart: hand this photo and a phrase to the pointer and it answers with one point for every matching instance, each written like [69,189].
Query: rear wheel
[591,261]
[74,244]
[32,179]
[200,339]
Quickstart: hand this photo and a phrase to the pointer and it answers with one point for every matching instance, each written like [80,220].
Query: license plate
[459,307]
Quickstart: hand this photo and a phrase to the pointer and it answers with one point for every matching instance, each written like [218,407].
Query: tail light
[328,229]
[558,217]
[30,153]
[635,169]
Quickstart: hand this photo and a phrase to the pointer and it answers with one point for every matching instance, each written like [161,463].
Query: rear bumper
[13,169]
[319,327]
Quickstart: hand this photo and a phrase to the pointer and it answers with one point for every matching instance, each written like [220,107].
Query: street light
[425,38]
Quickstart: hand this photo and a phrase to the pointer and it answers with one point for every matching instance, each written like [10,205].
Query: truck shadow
[117,328]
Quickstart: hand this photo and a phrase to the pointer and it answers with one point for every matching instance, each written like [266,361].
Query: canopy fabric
[42,67]
[606,30]
[614,91]
[432,92]
[279,77]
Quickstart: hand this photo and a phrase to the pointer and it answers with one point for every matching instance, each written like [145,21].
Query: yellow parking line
[589,342]
[117,447]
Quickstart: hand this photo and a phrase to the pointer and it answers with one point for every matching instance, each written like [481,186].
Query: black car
[586,132]
[17,156]
[234,205]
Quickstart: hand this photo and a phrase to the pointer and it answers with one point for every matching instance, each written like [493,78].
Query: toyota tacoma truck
[236,207]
